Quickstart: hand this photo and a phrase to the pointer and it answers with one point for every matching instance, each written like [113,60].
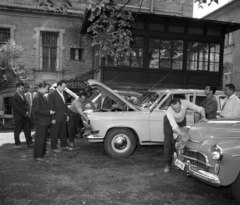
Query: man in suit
[29,97]
[104,102]
[21,116]
[210,103]
[42,120]
[58,103]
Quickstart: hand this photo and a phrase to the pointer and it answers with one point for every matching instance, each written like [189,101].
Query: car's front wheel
[236,188]
[120,142]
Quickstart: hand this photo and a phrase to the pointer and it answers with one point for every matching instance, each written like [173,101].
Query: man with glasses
[175,118]
[231,105]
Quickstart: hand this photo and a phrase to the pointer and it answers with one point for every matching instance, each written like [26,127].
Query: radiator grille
[196,158]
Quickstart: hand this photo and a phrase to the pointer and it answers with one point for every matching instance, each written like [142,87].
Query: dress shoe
[67,148]
[56,150]
[39,159]
[72,144]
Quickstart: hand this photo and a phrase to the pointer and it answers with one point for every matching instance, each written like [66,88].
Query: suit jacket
[41,110]
[56,104]
[29,101]
[211,106]
[20,107]
[107,103]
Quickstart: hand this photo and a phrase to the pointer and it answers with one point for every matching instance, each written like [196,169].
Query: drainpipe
[151,7]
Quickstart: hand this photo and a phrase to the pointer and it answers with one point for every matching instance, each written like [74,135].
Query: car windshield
[147,99]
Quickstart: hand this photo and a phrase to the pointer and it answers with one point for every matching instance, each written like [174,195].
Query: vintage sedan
[212,153]
[140,123]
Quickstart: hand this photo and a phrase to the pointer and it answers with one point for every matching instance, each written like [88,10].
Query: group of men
[177,110]
[47,111]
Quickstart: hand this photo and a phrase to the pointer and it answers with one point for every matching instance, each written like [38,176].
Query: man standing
[58,103]
[104,102]
[29,97]
[75,115]
[175,118]
[21,116]
[231,105]
[210,103]
[41,113]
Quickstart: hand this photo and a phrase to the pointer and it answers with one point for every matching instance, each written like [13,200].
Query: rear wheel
[236,188]
[120,142]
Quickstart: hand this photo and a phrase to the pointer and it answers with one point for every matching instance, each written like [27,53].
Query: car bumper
[202,175]
[94,138]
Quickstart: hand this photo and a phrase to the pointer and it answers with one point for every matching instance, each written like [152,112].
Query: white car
[140,123]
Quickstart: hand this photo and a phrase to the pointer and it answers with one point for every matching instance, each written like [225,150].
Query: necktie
[224,104]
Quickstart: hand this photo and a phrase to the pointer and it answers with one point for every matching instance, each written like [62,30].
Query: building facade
[230,12]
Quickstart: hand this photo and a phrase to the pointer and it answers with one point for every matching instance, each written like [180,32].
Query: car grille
[196,158]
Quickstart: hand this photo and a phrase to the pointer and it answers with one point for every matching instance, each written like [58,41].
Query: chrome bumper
[94,138]
[202,175]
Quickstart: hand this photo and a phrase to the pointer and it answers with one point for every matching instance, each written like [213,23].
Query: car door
[156,116]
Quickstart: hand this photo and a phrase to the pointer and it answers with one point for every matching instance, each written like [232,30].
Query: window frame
[80,54]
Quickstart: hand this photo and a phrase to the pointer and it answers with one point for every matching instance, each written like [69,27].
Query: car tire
[236,188]
[120,142]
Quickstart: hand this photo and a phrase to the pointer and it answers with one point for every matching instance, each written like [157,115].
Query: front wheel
[120,142]
[236,188]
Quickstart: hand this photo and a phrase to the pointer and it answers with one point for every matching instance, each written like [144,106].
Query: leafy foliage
[9,72]
[201,2]
[110,28]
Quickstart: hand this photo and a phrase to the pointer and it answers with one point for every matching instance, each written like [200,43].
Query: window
[228,39]
[203,56]
[49,51]
[7,106]
[76,54]
[4,35]
[165,54]
[135,59]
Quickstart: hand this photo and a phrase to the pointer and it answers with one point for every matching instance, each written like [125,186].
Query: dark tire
[236,188]
[120,142]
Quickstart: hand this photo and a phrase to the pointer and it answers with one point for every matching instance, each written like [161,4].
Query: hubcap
[120,142]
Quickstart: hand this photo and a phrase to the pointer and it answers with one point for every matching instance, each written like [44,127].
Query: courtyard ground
[88,175]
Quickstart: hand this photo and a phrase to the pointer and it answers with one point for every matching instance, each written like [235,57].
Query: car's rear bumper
[202,175]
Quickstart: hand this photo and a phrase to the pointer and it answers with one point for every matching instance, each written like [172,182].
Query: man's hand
[53,121]
[67,118]
[52,112]
[26,114]
[204,119]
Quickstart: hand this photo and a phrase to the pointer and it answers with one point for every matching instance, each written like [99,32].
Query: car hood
[217,128]
[96,84]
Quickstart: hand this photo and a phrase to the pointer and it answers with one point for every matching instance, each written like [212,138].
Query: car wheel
[120,142]
[236,188]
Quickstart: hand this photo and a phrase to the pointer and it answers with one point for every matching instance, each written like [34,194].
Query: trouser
[40,141]
[59,128]
[25,126]
[73,124]
[168,138]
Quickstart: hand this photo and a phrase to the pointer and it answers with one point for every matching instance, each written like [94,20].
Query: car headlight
[216,152]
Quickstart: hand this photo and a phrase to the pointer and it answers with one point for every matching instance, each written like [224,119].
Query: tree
[9,71]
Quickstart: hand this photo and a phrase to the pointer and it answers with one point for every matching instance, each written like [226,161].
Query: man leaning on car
[175,118]
[231,105]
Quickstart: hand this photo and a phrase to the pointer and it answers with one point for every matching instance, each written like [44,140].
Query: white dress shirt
[174,117]
[231,107]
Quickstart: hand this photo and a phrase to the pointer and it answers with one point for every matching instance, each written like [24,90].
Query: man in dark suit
[41,114]
[104,102]
[58,103]
[210,103]
[21,116]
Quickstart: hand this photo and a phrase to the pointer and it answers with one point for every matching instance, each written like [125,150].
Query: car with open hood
[212,153]
[139,123]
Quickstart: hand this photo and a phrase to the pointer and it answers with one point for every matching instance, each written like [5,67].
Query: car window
[165,105]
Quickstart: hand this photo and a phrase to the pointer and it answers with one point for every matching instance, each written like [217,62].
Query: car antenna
[113,79]
[160,81]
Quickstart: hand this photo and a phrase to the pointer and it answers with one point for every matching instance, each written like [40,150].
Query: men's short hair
[42,84]
[230,86]
[212,88]
[82,94]
[174,101]
[60,82]
[18,84]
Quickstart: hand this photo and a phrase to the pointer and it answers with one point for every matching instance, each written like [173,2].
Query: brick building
[53,45]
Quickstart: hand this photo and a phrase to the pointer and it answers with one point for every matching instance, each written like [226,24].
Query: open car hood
[94,84]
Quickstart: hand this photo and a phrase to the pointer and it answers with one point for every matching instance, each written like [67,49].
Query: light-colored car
[212,153]
[140,123]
